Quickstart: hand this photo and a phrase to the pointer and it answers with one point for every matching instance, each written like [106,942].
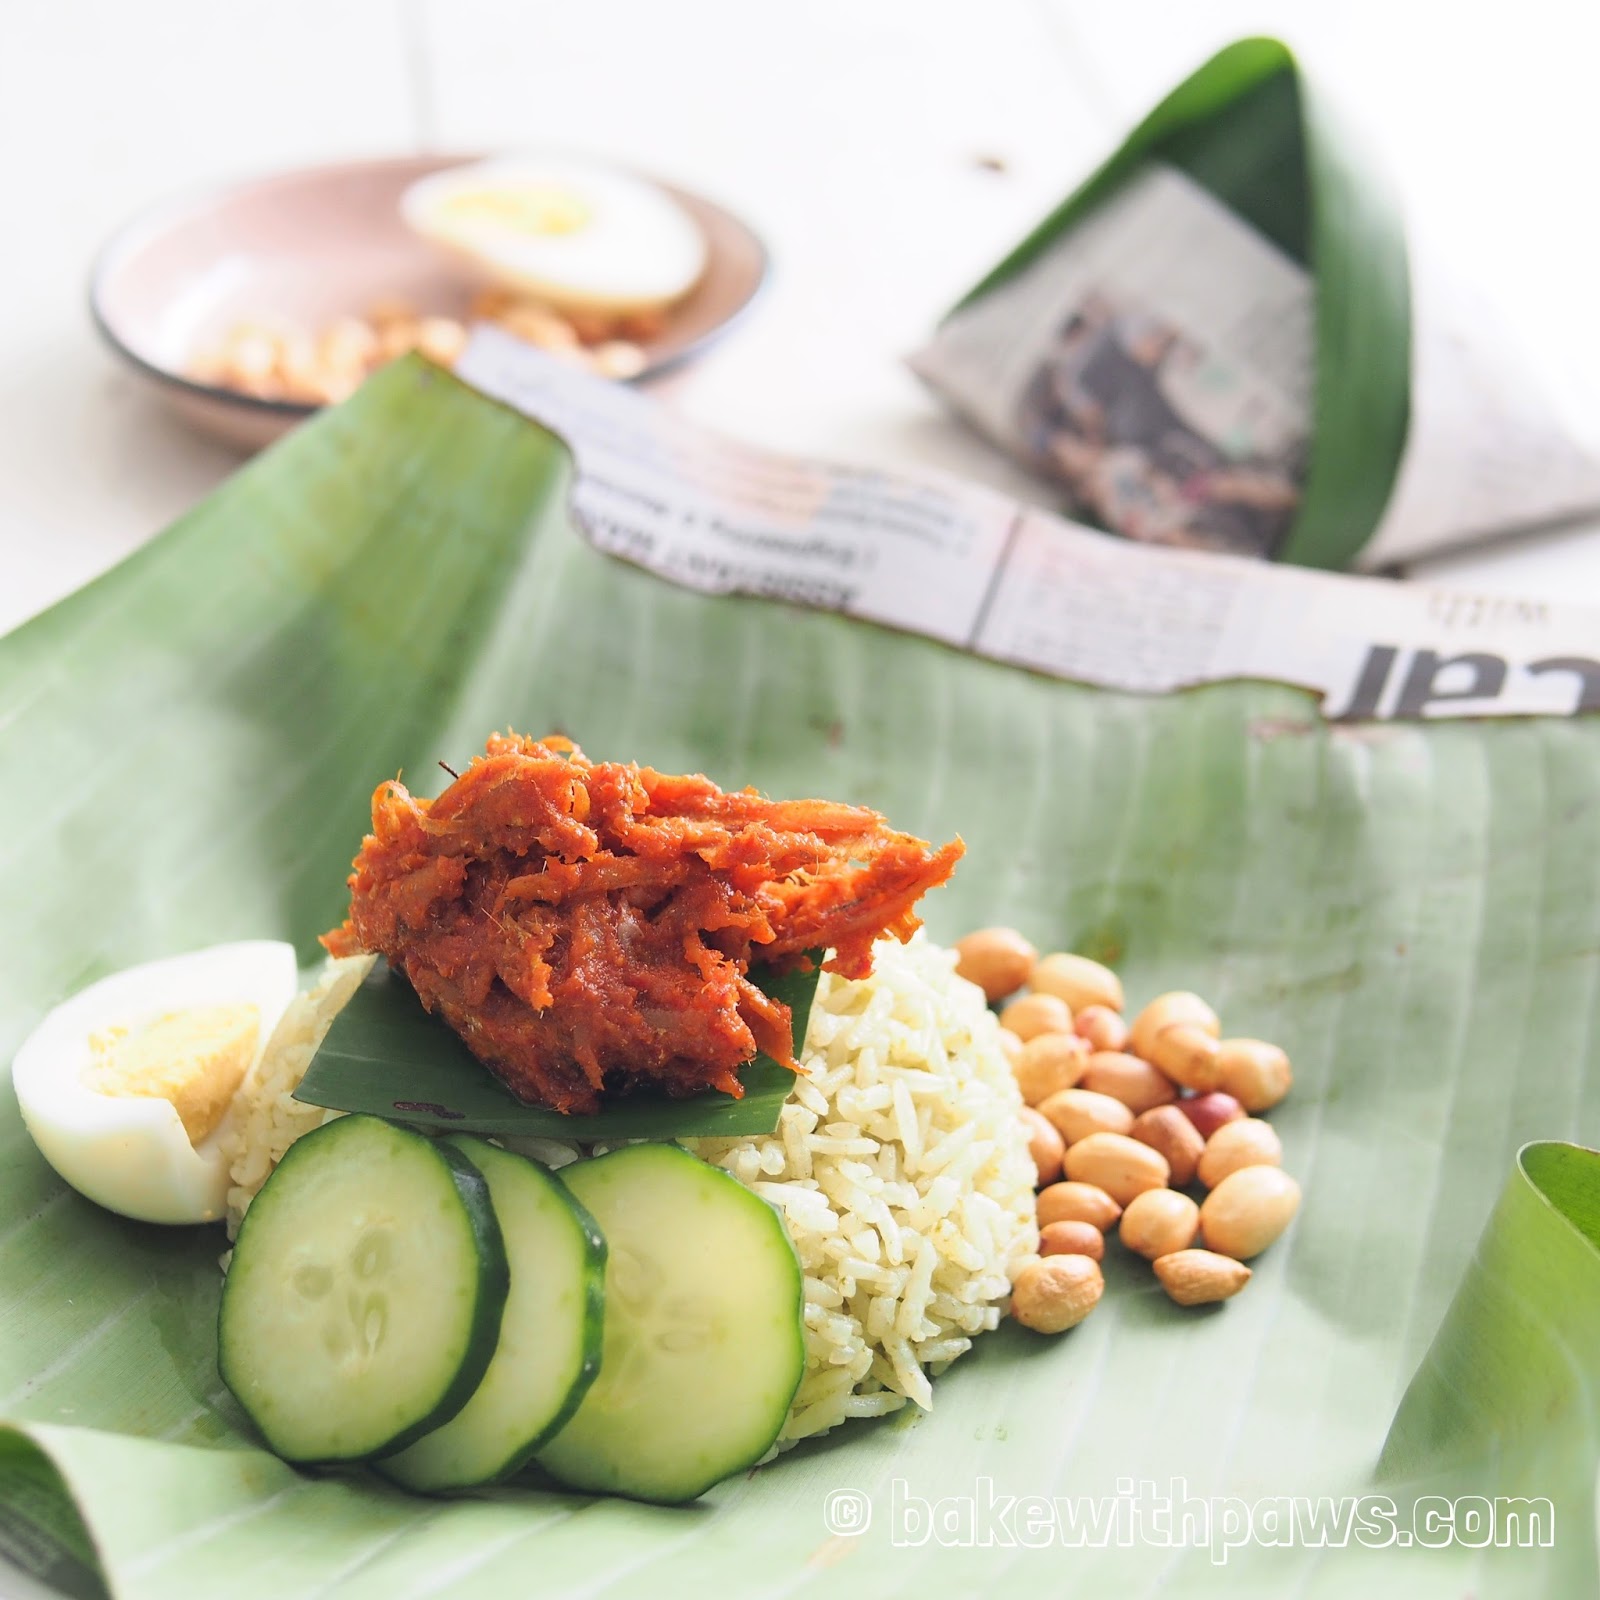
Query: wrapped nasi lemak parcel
[1226,339]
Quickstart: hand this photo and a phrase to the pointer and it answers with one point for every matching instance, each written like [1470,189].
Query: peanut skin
[1208,1112]
[1121,1166]
[1070,1238]
[1159,1222]
[998,960]
[1077,1202]
[1248,1142]
[1248,1211]
[1200,1277]
[1136,1083]
[1049,1063]
[1029,1015]
[1054,1293]
[1078,980]
[1045,1145]
[1167,1129]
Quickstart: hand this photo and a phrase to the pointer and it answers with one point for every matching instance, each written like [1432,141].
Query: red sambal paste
[586,927]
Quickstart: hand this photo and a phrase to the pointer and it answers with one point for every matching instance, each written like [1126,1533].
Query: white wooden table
[889,150]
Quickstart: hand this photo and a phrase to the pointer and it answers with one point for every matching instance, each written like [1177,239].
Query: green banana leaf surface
[1412,910]
[385,1055]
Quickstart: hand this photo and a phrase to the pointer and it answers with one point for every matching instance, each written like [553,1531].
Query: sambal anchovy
[588,927]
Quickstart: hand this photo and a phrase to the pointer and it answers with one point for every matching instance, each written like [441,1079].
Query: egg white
[636,248]
[130,1153]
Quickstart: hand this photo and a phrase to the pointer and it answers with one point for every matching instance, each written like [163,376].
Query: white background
[859,137]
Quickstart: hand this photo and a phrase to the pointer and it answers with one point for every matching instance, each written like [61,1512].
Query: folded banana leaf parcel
[1383,855]
[1236,335]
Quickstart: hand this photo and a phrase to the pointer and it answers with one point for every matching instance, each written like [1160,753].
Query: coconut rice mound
[900,1166]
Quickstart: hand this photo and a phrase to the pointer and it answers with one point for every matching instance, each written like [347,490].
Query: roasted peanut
[591,326]
[441,339]
[1011,1045]
[1076,1202]
[347,342]
[304,376]
[1200,1277]
[1158,1222]
[1247,1211]
[1255,1073]
[323,367]
[1249,1142]
[648,322]
[1032,1014]
[392,308]
[1104,1028]
[489,303]
[539,325]
[998,960]
[1135,1083]
[1077,980]
[1049,1063]
[1045,1145]
[1187,1055]
[396,339]
[1208,1112]
[1054,1293]
[618,358]
[1179,1008]
[1167,1129]
[251,354]
[1072,1238]
[1076,1113]
[1121,1166]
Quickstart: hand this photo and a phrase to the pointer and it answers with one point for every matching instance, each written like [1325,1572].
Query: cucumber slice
[704,1342]
[363,1303]
[549,1350]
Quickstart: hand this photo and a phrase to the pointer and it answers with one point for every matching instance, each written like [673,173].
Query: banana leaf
[384,1054]
[1413,910]
[1256,130]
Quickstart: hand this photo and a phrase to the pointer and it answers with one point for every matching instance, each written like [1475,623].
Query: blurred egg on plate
[126,1088]
[576,234]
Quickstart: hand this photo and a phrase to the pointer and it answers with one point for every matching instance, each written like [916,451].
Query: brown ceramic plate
[305,247]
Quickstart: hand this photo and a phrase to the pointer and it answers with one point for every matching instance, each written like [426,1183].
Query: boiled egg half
[127,1087]
[574,234]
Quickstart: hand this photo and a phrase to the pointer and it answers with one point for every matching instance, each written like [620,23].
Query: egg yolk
[194,1059]
[540,208]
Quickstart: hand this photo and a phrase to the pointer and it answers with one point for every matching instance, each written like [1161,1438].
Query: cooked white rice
[902,1169]
[900,1166]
